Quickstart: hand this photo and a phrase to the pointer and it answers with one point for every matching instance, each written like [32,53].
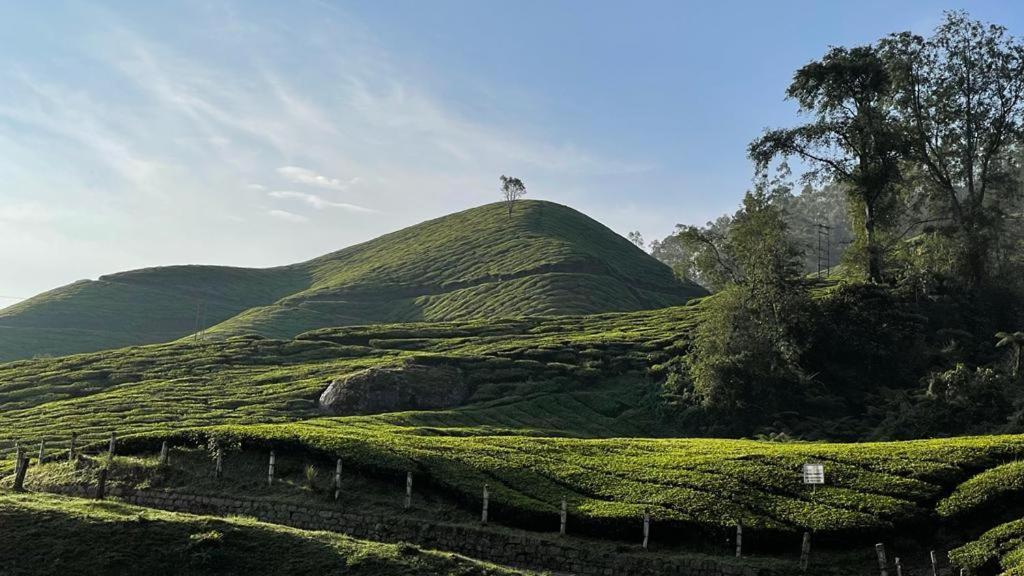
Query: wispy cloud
[316,201]
[288,216]
[299,175]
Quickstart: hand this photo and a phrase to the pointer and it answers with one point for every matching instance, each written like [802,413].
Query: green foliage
[745,357]
[958,93]
[480,263]
[982,494]
[89,537]
[1000,549]
[609,482]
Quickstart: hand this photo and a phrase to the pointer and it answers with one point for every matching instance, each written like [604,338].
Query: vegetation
[57,535]
[481,263]
[1001,550]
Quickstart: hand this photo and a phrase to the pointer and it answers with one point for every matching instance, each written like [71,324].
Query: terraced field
[45,534]
[479,263]
[561,407]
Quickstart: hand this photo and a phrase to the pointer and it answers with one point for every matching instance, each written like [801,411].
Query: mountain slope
[546,259]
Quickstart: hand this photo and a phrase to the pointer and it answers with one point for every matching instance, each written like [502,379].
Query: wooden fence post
[113,443]
[270,469]
[935,563]
[563,516]
[164,454]
[71,448]
[18,455]
[805,552]
[483,513]
[42,450]
[739,539]
[337,480]
[408,490]
[880,552]
[219,467]
[101,484]
[646,529]
[19,475]
[899,566]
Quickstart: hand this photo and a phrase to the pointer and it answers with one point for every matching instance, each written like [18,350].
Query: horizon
[259,135]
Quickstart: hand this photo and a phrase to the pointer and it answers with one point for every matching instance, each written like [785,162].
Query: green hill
[547,259]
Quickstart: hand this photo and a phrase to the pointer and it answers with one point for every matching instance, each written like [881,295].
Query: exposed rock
[408,386]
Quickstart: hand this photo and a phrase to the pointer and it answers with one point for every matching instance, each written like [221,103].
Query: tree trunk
[871,245]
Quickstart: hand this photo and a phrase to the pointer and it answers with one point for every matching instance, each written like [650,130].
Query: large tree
[853,138]
[744,364]
[959,95]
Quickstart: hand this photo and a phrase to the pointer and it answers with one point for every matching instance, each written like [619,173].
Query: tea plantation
[480,263]
[46,534]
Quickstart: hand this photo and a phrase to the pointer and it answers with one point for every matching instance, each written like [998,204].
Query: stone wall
[501,546]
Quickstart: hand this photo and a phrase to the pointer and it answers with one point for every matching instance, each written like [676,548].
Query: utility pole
[824,231]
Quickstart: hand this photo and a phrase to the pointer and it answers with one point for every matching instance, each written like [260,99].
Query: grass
[685,483]
[999,550]
[45,534]
[547,259]
[581,376]
[983,494]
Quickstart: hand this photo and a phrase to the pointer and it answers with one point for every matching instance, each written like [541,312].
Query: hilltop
[547,259]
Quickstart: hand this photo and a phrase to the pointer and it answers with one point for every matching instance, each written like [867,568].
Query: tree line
[912,146]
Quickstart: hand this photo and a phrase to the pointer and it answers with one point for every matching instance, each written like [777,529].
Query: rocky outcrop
[408,386]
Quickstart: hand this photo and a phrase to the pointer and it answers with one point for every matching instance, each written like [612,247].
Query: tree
[512,189]
[854,138]
[744,363]
[1014,340]
[636,238]
[959,96]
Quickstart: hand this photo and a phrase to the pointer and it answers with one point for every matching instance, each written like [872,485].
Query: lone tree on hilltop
[636,238]
[512,189]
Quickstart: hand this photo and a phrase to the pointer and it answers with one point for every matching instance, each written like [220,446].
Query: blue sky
[256,133]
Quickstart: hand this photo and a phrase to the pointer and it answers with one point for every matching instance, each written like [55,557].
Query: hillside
[83,537]
[560,407]
[547,259]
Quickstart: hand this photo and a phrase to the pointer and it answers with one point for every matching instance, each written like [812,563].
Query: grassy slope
[536,379]
[57,535]
[546,259]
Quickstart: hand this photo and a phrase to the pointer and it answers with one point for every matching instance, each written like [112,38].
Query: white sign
[814,473]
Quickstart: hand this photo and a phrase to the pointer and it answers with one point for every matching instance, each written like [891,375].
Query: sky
[248,133]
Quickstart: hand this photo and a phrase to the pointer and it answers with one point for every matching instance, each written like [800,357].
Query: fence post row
[739,539]
[483,513]
[805,552]
[880,552]
[647,528]
[21,467]
[18,454]
[337,480]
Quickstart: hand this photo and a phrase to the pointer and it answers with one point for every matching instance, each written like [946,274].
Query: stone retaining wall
[508,547]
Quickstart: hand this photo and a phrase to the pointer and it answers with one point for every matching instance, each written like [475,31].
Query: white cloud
[27,213]
[287,216]
[318,202]
[299,175]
